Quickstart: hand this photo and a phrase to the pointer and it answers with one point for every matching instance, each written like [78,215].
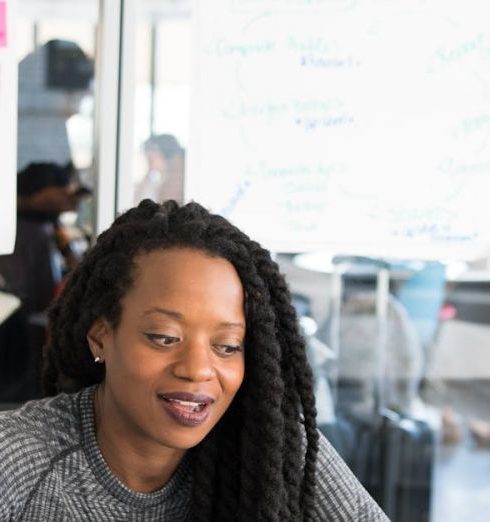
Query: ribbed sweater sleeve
[339,495]
[23,461]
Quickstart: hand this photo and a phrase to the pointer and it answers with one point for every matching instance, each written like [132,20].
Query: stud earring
[97,360]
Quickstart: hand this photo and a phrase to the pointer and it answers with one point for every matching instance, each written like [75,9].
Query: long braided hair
[258,462]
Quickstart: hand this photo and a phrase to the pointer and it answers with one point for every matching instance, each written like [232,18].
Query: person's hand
[50,200]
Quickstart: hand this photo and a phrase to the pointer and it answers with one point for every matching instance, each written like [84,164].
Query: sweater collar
[177,489]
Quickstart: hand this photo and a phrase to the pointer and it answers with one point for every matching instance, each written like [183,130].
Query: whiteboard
[8,128]
[360,127]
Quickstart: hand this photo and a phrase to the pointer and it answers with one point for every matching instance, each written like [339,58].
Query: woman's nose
[195,362]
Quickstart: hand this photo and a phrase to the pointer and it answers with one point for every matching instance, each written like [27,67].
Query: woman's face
[175,361]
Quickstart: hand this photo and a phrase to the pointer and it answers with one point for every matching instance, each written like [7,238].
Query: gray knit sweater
[51,469]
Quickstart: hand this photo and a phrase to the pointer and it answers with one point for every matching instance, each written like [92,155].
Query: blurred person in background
[165,176]
[53,80]
[44,253]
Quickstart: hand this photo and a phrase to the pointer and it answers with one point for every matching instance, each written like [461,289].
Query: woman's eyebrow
[169,313]
[178,315]
[227,324]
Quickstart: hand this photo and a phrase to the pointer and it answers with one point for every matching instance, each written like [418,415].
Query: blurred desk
[467,289]
[8,305]
[324,262]
[365,268]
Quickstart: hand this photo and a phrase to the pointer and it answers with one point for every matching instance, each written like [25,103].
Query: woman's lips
[185,408]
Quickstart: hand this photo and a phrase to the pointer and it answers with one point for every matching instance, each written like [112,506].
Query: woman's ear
[97,337]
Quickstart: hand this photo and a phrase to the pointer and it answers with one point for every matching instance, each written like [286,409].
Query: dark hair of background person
[46,189]
[258,463]
[37,176]
[166,144]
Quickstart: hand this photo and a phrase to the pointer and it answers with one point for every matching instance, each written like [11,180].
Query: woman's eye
[162,339]
[227,349]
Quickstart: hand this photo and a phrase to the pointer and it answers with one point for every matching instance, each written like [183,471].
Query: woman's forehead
[184,274]
[174,262]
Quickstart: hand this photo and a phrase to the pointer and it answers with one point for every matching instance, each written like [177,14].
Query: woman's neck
[139,465]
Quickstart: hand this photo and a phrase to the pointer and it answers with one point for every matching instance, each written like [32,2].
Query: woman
[192,398]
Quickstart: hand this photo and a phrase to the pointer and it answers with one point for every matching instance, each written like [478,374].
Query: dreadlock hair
[258,462]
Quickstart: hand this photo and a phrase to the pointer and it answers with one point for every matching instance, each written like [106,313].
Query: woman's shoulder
[31,438]
[339,495]
[41,420]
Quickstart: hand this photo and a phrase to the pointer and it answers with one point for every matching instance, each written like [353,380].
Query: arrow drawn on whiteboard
[236,197]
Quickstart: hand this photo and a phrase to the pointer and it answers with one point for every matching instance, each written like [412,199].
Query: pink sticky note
[3,24]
